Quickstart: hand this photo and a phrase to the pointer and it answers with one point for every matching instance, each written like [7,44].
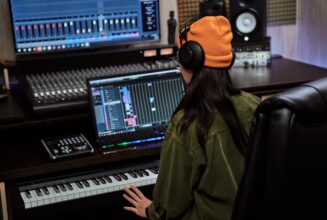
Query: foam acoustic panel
[281,12]
[186,10]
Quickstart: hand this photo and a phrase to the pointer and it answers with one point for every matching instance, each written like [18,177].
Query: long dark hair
[208,94]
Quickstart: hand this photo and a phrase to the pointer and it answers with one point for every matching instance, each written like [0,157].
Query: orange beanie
[214,34]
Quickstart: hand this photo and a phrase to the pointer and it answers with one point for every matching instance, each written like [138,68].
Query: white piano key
[33,200]
[114,186]
[106,188]
[130,180]
[69,193]
[99,188]
[92,190]
[27,201]
[75,191]
[53,196]
[59,195]
[64,194]
[88,190]
[103,187]
[39,199]
[81,190]
[46,198]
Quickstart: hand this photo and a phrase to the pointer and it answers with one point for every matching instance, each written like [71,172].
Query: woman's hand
[138,200]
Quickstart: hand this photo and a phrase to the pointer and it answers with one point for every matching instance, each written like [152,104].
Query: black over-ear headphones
[191,54]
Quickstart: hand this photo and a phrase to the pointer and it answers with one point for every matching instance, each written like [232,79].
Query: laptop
[132,111]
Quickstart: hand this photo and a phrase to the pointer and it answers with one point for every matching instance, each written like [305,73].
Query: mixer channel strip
[67,90]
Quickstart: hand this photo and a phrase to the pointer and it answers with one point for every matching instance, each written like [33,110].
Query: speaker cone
[246,23]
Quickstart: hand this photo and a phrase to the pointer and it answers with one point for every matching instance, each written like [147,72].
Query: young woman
[202,156]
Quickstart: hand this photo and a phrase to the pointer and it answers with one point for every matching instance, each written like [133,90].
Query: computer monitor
[45,26]
[132,109]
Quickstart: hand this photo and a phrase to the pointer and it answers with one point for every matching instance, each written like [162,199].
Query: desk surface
[20,159]
[280,75]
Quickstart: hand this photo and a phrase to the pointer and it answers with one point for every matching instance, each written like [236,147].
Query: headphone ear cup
[191,55]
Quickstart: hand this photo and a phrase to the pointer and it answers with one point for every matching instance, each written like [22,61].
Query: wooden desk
[22,159]
[25,159]
[281,75]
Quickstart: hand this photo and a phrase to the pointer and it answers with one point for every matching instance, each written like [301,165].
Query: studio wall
[6,42]
[305,41]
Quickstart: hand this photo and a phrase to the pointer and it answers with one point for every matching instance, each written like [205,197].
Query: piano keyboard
[85,186]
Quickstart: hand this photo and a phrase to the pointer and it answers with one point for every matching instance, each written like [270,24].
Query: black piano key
[38,192]
[28,194]
[95,181]
[118,178]
[144,172]
[85,183]
[153,170]
[63,187]
[46,191]
[101,180]
[123,176]
[138,173]
[79,185]
[69,186]
[56,189]
[107,178]
[133,174]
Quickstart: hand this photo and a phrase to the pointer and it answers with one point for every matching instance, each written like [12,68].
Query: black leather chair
[286,168]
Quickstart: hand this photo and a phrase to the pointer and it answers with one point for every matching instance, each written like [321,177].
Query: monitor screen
[124,106]
[45,26]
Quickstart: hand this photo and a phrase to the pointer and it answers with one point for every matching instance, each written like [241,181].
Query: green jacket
[200,184]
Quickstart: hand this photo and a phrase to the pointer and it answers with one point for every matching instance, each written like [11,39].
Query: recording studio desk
[27,158]
[282,74]
[22,157]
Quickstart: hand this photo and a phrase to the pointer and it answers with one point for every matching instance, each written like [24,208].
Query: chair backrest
[286,168]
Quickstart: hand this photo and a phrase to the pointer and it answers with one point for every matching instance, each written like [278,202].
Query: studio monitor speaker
[248,20]
[212,8]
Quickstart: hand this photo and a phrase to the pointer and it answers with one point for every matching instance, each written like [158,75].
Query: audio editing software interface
[129,106]
[45,26]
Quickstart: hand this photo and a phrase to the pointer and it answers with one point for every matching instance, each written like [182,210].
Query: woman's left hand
[138,200]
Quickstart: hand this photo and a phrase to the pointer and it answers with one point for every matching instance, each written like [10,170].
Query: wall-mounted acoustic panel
[280,12]
[187,9]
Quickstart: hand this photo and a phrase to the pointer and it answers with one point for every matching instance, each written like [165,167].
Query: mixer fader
[66,90]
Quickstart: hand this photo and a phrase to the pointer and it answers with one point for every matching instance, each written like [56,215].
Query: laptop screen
[132,109]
